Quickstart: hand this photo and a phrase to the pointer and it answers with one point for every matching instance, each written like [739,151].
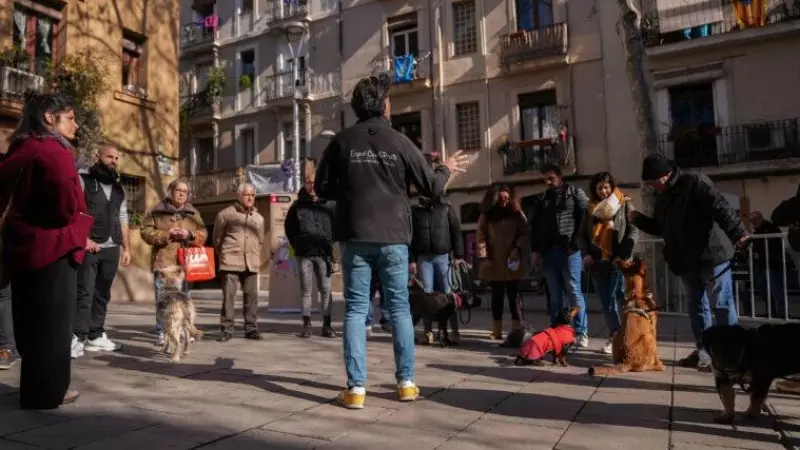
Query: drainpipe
[487,133]
[436,76]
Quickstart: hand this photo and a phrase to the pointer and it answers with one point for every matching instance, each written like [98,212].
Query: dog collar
[640,312]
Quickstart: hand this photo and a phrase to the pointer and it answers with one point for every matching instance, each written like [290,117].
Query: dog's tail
[609,370]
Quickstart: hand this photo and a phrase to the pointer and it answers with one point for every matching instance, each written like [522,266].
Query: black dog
[557,340]
[752,358]
[436,306]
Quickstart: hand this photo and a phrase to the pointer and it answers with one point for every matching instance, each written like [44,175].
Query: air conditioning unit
[15,81]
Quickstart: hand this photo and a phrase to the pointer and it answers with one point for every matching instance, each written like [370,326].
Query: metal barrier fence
[766,286]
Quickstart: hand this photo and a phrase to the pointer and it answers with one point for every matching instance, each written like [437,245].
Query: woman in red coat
[45,235]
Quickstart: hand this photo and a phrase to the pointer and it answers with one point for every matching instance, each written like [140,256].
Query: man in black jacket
[309,228]
[367,169]
[701,232]
[436,234]
[107,248]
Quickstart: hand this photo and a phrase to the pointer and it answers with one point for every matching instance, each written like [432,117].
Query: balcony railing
[195,33]
[717,146]
[280,86]
[283,9]
[696,19]
[526,45]
[531,156]
[246,22]
[216,183]
[199,104]
[16,79]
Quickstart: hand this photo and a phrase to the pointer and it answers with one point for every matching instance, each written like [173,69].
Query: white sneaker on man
[76,351]
[101,344]
[609,347]
[582,341]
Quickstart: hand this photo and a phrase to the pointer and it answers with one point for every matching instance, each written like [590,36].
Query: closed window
[465,30]
[468,124]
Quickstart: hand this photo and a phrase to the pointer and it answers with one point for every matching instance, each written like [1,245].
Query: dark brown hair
[492,194]
[602,177]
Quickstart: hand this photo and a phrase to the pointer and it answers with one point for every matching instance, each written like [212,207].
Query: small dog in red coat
[556,340]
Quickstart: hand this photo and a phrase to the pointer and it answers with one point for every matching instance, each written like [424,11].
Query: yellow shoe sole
[352,401]
[407,394]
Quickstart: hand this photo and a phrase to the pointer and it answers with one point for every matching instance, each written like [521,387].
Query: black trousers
[95,277]
[43,306]
[509,289]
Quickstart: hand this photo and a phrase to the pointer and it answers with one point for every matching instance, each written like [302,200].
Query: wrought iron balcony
[18,75]
[531,156]
[197,35]
[281,10]
[526,45]
[311,86]
[690,20]
[216,183]
[710,146]
[199,105]
[408,69]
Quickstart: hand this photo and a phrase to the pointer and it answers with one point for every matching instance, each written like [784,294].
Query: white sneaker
[370,332]
[582,341]
[160,339]
[608,348]
[102,344]
[76,351]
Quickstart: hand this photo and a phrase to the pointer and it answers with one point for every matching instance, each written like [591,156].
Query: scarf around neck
[603,213]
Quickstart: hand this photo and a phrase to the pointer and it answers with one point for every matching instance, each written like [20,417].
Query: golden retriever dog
[635,346]
[176,312]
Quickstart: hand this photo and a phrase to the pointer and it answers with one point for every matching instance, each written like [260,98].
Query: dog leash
[731,264]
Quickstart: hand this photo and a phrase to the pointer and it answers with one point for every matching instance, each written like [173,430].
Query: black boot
[327,329]
[306,333]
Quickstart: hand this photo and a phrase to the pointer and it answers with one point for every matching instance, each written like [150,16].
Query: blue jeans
[391,263]
[384,311]
[433,272]
[7,341]
[610,286]
[563,275]
[158,285]
[700,297]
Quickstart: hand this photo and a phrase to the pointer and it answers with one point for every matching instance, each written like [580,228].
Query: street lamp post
[298,31]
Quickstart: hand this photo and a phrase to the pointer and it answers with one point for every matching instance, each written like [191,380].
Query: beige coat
[498,235]
[238,237]
[155,231]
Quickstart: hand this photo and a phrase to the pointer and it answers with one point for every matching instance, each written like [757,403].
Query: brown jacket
[500,231]
[155,231]
[238,236]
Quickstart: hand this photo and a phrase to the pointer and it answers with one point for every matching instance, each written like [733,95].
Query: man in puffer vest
[436,234]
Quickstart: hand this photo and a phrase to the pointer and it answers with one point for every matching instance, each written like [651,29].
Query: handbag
[198,263]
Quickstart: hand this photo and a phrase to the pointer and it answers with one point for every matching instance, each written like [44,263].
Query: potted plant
[135,219]
[215,87]
[245,82]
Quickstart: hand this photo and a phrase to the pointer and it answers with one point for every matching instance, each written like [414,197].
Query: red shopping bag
[198,262]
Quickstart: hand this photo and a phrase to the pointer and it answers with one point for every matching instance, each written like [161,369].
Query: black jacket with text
[367,170]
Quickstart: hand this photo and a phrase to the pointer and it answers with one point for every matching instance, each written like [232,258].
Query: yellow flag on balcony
[750,13]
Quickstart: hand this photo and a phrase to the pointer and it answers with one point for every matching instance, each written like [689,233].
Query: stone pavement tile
[697,427]
[640,433]
[474,396]
[80,431]
[706,400]
[534,409]
[298,399]
[486,434]
[425,415]
[184,432]
[562,390]
[259,439]
[624,406]
[378,435]
[11,445]
[19,420]
[507,375]
[788,416]
[326,421]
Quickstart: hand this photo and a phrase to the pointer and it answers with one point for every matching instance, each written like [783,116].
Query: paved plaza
[279,394]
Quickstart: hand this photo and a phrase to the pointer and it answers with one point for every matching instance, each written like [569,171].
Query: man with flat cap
[701,233]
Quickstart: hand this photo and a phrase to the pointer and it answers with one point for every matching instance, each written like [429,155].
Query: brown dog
[176,312]
[635,347]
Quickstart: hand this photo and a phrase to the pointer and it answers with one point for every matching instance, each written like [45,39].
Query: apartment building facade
[137,42]
[521,83]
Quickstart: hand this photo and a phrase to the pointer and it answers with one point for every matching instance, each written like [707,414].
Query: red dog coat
[550,340]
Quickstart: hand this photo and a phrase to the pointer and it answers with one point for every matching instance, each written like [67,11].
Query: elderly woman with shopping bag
[172,226]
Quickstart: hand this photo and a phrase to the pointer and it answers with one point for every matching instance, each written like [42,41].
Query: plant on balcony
[83,77]
[184,112]
[15,57]
[215,86]
[135,219]
[245,82]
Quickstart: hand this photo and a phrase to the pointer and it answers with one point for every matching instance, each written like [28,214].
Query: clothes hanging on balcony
[404,68]
[211,22]
[750,13]
[697,32]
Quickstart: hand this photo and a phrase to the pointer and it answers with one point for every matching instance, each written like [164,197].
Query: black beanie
[655,167]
